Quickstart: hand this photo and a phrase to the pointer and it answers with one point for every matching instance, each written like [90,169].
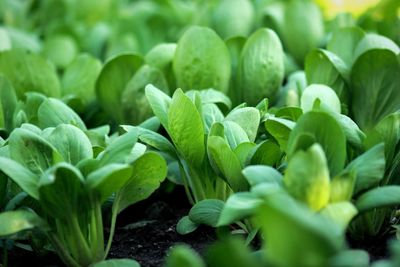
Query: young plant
[57,168]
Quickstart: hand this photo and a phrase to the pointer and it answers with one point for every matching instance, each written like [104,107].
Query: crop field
[200,133]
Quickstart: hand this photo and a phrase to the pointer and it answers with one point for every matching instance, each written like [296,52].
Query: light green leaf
[29,72]
[202,61]
[72,143]
[307,177]
[186,226]
[148,172]
[183,256]
[237,207]
[224,160]
[342,186]
[248,118]
[186,129]
[119,149]
[341,213]
[53,112]
[12,222]
[159,102]
[258,174]
[79,78]
[261,67]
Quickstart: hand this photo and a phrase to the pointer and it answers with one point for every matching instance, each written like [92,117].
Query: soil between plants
[146,231]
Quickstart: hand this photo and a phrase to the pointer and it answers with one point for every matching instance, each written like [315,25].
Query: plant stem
[112,229]
[62,252]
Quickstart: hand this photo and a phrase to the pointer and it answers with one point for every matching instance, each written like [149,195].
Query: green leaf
[331,137]
[344,42]
[368,167]
[376,85]
[12,222]
[224,160]
[72,143]
[159,102]
[183,256]
[243,152]
[326,96]
[261,67]
[61,49]
[266,153]
[53,112]
[374,41]
[324,67]
[186,226]
[258,174]
[8,103]
[380,197]
[206,212]
[22,176]
[61,191]
[342,186]
[108,179]
[388,132]
[119,149]
[148,172]
[202,61]
[79,78]
[235,45]
[350,258]
[112,81]
[307,177]
[303,28]
[161,55]
[117,263]
[32,151]
[186,129]
[211,115]
[291,230]
[233,18]
[341,213]
[135,106]
[248,118]
[280,129]
[237,207]
[29,72]
[211,96]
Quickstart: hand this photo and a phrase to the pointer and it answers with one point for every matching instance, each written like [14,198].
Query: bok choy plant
[68,184]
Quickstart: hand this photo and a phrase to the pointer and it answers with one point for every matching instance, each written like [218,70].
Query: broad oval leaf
[206,212]
[376,84]
[32,151]
[53,112]
[148,171]
[159,103]
[112,81]
[72,143]
[261,67]
[322,92]
[248,118]
[117,263]
[29,72]
[202,60]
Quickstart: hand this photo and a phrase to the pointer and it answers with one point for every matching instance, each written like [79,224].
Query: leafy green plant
[69,185]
